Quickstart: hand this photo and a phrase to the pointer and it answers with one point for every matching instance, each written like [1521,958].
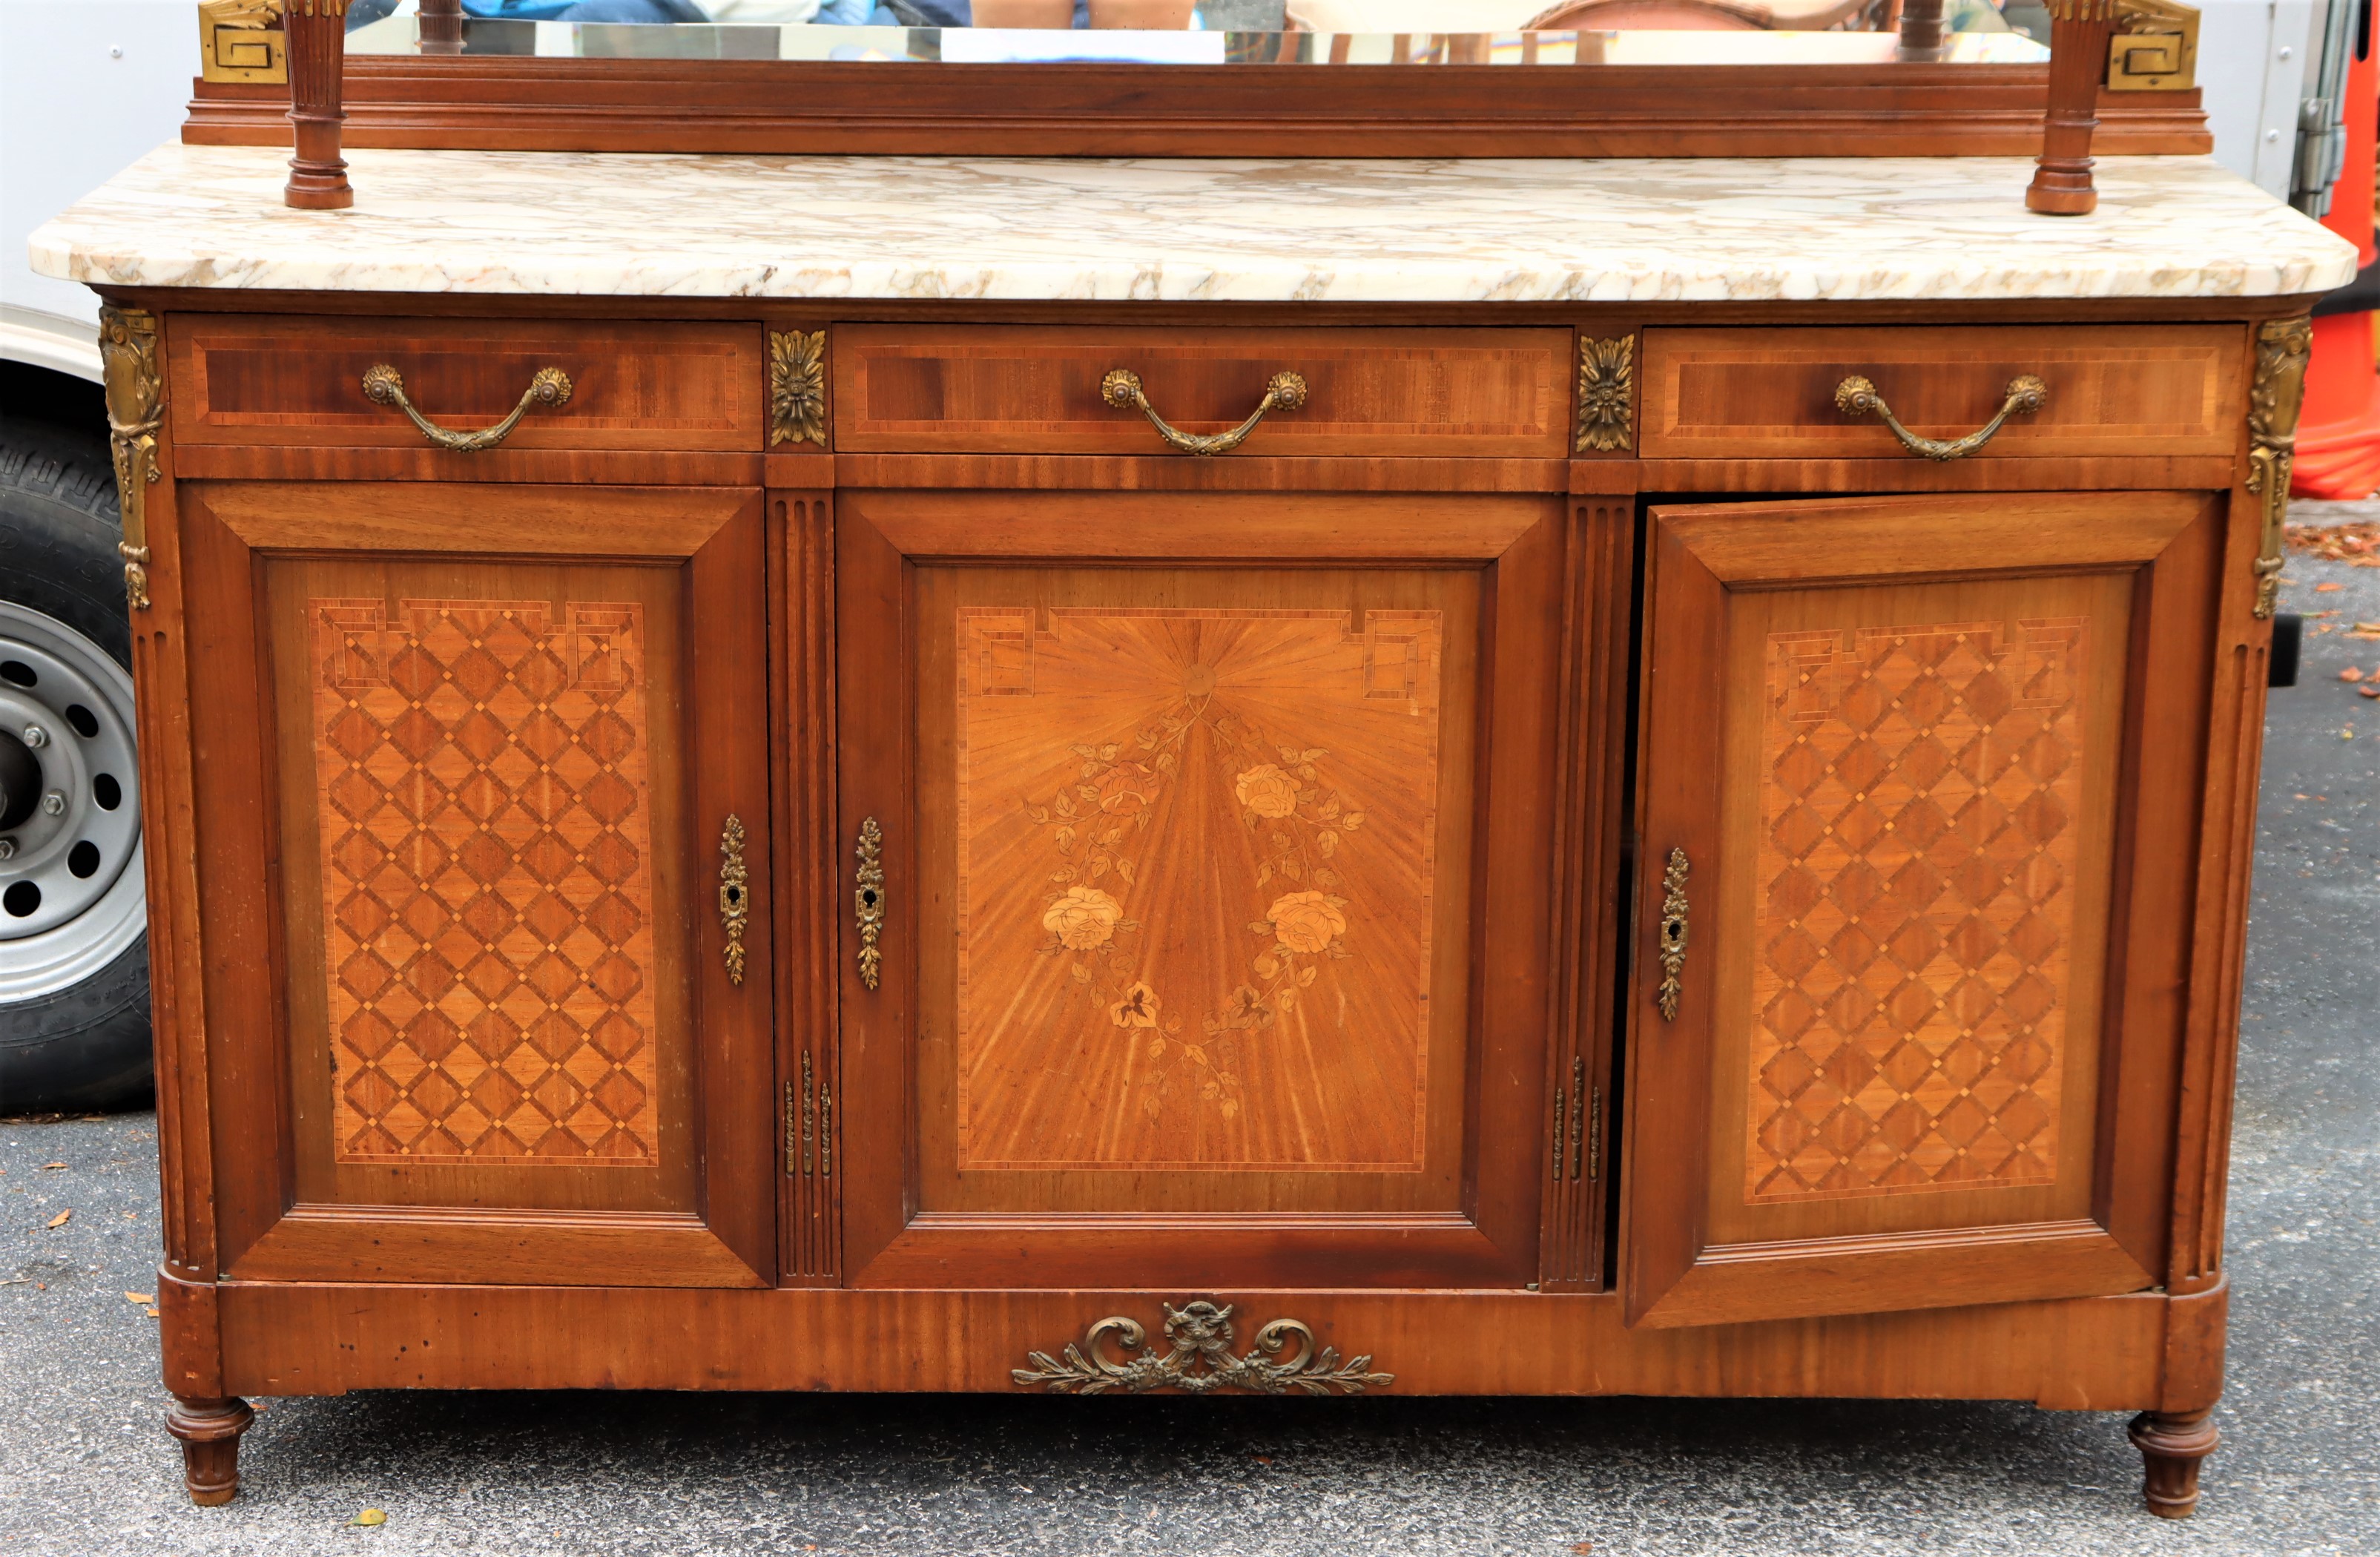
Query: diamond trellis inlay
[1916,859]
[487,879]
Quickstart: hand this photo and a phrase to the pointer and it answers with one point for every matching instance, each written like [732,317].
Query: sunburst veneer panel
[1916,901]
[486,832]
[1196,856]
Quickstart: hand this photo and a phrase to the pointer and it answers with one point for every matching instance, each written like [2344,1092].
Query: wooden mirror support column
[318,41]
[440,22]
[2079,32]
[1923,33]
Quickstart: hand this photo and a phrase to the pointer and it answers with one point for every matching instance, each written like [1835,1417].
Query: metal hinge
[2322,118]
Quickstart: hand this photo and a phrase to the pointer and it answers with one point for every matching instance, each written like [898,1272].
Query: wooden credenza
[839,855]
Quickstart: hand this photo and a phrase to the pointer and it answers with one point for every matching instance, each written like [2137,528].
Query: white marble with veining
[1306,229]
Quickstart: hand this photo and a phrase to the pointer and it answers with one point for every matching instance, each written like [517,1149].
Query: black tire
[85,1047]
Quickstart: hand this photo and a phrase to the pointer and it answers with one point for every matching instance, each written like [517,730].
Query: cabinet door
[1215,887]
[1915,825]
[482,845]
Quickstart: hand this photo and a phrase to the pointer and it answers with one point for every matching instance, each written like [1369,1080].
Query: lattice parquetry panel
[486,825]
[1916,905]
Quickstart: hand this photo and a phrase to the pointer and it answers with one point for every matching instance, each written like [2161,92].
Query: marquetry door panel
[1187,859]
[1910,777]
[523,1035]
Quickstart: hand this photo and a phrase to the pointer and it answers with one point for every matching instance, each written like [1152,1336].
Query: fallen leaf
[149,1309]
[140,1298]
[2369,691]
[1582,1547]
[60,1220]
[370,1517]
[2352,672]
[49,1165]
[2329,587]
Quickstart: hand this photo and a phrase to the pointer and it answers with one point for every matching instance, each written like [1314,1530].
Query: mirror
[1410,32]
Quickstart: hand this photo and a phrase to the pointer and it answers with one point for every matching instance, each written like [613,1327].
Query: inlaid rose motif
[1084,918]
[1268,791]
[1127,787]
[1305,921]
[1136,1009]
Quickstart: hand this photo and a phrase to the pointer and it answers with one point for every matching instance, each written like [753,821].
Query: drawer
[2112,390]
[946,389]
[293,381]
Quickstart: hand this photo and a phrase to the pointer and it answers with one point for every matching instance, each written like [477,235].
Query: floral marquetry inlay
[487,869]
[1195,869]
[1915,908]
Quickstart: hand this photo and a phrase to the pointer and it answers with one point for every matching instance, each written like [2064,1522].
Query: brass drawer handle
[1121,389]
[383,386]
[1857,397]
[734,906]
[868,901]
[1673,934]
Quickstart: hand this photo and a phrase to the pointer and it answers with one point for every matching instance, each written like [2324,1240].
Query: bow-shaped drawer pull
[1855,396]
[383,386]
[1121,389]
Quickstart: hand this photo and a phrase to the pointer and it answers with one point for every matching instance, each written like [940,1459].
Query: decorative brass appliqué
[2154,47]
[136,409]
[734,909]
[2282,346]
[1595,1133]
[868,901]
[243,40]
[1607,393]
[796,387]
[1673,933]
[1200,1360]
[1577,1115]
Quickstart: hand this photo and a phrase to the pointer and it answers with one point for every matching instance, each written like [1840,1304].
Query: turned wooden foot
[2172,1445]
[209,1432]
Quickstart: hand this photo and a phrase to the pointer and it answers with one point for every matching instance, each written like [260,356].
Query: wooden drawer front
[1770,394]
[1033,390]
[298,381]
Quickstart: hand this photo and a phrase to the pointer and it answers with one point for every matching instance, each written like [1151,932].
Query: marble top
[1314,229]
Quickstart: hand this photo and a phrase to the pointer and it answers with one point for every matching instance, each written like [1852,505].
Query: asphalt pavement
[86,1469]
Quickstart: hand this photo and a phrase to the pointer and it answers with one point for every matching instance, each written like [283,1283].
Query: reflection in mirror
[1207,31]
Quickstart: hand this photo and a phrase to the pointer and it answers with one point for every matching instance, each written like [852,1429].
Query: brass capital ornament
[1607,393]
[796,387]
[2273,399]
[136,409]
[1199,1359]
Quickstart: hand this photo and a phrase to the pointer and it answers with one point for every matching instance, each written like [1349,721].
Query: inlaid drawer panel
[1034,390]
[279,380]
[1755,393]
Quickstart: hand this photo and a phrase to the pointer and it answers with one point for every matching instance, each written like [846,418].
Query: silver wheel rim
[72,894]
